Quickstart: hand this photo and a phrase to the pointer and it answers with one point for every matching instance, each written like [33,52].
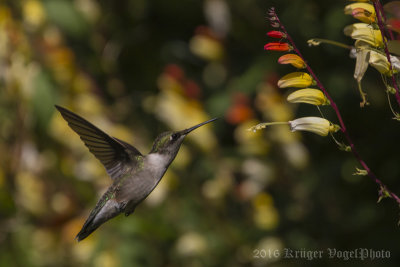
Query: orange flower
[364,12]
[363,15]
[292,59]
[278,47]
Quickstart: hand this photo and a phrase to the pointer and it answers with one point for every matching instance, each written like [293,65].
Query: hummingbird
[134,175]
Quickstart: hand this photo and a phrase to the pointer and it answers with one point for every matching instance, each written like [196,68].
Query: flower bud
[296,79]
[278,47]
[292,59]
[276,34]
[309,96]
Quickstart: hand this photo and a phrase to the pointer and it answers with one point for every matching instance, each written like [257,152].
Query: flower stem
[266,124]
[343,128]
[378,6]
[318,41]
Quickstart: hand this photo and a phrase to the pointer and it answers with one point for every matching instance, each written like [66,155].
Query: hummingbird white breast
[158,164]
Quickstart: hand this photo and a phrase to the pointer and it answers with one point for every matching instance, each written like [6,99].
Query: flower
[278,47]
[379,62]
[309,96]
[368,7]
[361,63]
[296,79]
[276,34]
[365,57]
[363,15]
[292,59]
[362,57]
[365,33]
[362,11]
[315,125]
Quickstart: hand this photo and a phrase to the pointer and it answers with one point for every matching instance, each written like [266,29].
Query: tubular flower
[362,11]
[379,62]
[365,57]
[276,34]
[309,96]
[365,33]
[296,79]
[362,57]
[315,125]
[278,47]
[292,59]
[363,15]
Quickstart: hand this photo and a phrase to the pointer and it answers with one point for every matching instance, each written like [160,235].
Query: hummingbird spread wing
[113,153]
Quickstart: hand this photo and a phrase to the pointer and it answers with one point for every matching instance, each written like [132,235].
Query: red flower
[278,47]
[276,34]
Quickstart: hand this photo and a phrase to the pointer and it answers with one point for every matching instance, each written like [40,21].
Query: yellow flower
[365,33]
[296,79]
[379,62]
[292,59]
[365,57]
[315,125]
[363,15]
[349,8]
[309,96]
[363,11]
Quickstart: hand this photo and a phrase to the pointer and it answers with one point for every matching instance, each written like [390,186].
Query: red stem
[379,13]
[378,6]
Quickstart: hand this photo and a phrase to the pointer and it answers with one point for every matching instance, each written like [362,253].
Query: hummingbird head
[170,142]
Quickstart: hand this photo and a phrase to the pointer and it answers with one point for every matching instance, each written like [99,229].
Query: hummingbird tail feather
[85,232]
[99,216]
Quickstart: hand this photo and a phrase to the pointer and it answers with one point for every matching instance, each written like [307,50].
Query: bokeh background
[136,68]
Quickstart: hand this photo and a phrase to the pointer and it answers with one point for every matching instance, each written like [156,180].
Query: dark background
[136,68]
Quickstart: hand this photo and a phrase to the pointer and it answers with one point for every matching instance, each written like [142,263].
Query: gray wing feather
[113,153]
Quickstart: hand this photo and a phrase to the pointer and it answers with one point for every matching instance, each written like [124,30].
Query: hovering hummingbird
[134,175]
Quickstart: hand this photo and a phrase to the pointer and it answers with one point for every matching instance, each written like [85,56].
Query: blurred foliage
[136,68]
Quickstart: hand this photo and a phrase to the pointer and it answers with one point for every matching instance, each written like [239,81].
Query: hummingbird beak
[186,131]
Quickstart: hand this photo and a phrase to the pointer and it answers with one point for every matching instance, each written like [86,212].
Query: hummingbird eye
[173,137]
